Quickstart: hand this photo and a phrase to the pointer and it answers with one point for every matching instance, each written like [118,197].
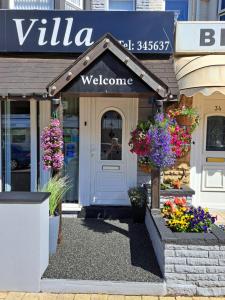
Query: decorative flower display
[139,142]
[181,218]
[52,145]
[181,140]
[160,142]
[161,153]
[190,113]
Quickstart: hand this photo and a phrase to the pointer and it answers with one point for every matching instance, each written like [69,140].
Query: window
[71,145]
[16,145]
[111,136]
[221,10]
[32,4]
[215,139]
[121,4]
[179,7]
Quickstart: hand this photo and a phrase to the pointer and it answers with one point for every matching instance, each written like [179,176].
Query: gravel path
[104,250]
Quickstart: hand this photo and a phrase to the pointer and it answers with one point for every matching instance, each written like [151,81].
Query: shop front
[200,67]
[98,95]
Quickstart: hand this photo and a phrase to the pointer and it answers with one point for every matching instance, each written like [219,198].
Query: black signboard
[74,31]
[107,74]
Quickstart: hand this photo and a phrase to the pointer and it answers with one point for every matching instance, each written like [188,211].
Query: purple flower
[161,154]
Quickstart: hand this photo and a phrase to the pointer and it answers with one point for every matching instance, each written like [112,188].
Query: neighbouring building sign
[75,31]
[200,37]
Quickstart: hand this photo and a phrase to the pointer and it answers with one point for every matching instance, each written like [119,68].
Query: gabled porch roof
[107,43]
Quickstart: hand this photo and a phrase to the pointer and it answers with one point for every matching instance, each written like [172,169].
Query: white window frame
[134,5]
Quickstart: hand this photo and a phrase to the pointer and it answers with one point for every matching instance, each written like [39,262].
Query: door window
[111,136]
[215,139]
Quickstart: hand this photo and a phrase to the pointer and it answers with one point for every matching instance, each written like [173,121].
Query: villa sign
[74,31]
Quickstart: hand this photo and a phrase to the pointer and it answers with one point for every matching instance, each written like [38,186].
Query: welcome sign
[107,75]
[74,31]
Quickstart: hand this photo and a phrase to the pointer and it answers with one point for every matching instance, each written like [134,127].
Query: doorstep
[106,212]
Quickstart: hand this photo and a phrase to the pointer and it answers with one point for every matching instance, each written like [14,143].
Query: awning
[200,74]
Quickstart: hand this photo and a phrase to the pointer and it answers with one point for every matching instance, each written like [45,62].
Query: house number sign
[75,31]
[217,108]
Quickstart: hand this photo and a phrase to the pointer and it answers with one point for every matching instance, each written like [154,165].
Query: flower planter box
[191,263]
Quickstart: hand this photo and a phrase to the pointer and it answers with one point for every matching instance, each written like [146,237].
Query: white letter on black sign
[41,41]
[87,38]
[86,79]
[54,41]
[66,41]
[207,37]
[22,37]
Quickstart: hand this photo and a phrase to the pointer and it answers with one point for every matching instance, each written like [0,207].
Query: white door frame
[87,112]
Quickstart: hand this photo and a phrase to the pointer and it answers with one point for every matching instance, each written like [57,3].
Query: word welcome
[99,80]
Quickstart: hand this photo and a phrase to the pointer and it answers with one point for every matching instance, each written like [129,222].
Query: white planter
[24,240]
[53,233]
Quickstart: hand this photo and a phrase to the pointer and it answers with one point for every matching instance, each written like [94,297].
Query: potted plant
[185,116]
[57,187]
[138,201]
[144,164]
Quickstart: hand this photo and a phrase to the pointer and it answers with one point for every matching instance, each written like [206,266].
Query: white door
[113,167]
[213,159]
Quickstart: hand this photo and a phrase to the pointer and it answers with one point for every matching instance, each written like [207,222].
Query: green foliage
[137,196]
[58,187]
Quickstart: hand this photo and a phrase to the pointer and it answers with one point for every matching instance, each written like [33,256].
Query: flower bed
[182,218]
[192,263]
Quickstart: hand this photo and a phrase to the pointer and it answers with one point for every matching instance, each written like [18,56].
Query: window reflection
[215,140]
[71,145]
[16,145]
[111,136]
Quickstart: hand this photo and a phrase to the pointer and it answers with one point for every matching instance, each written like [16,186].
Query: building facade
[99,96]
[199,67]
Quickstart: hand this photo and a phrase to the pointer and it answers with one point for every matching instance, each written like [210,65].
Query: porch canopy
[200,74]
[108,68]
[26,75]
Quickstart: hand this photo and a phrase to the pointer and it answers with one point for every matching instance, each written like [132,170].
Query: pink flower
[52,145]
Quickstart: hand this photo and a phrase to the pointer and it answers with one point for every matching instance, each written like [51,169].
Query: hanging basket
[145,168]
[184,120]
